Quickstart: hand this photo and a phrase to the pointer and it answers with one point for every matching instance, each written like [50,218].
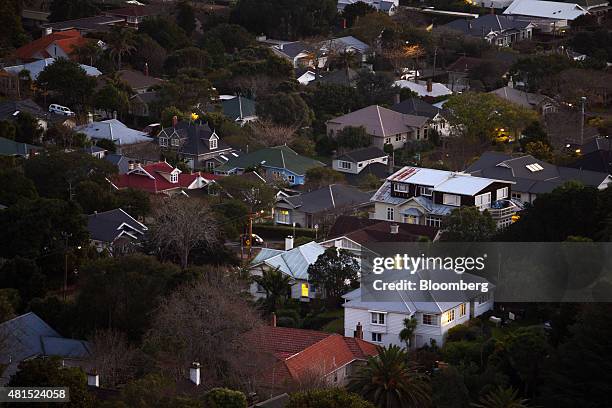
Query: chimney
[114,114]
[90,117]
[394,228]
[174,120]
[146,69]
[359,331]
[396,98]
[429,86]
[194,373]
[288,243]
[93,380]
[48,31]
[273,319]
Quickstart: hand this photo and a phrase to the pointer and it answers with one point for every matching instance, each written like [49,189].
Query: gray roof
[10,147]
[110,225]
[416,106]
[505,167]
[138,80]
[329,198]
[238,108]
[525,99]
[483,25]
[379,121]
[119,160]
[146,97]
[364,154]
[196,138]
[292,49]
[10,109]
[114,130]
[96,23]
[294,262]
[344,77]
[346,44]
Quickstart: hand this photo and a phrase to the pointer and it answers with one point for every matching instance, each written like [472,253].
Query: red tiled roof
[301,352]
[67,40]
[157,184]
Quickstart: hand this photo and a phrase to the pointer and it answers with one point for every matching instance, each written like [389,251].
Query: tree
[182,225]
[120,42]
[534,70]
[270,134]
[501,398]
[87,53]
[190,57]
[407,332]
[330,398]
[526,350]
[225,398]
[148,51]
[24,276]
[165,32]
[12,33]
[185,17]
[387,381]
[113,358]
[15,187]
[232,36]
[540,150]
[336,271]
[62,10]
[136,202]
[68,81]
[208,324]
[352,12]
[369,27]
[188,89]
[27,129]
[318,177]
[276,284]
[534,132]
[110,98]
[49,372]
[468,224]
[256,195]
[92,197]
[286,109]
[375,88]
[353,137]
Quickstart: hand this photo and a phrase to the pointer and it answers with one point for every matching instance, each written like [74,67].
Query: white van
[60,110]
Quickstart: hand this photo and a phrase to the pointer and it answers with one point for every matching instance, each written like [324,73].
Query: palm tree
[87,53]
[410,324]
[388,382]
[120,43]
[276,285]
[501,398]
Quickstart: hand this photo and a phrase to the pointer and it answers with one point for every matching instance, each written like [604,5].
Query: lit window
[378,318]
[448,316]
[410,219]
[283,217]
[390,213]
[462,309]
[429,319]
[376,337]
[304,290]
[502,193]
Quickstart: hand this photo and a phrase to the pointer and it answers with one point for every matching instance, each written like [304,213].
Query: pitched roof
[137,80]
[36,67]
[359,155]
[379,121]
[546,9]
[10,109]
[122,162]
[294,262]
[238,108]
[366,230]
[416,106]
[292,49]
[66,40]
[282,157]
[483,25]
[196,138]
[300,353]
[420,88]
[95,23]
[109,225]
[543,178]
[347,43]
[328,198]
[344,77]
[154,178]
[114,130]
[525,99]
[10,147]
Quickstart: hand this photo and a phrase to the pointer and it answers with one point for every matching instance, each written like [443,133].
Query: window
[387,140]
[398,138]
[377,337]
[378,318]
[484,298]
[448,317]
[174,142]
[213,143]
[283,217]
[400,187]
[210,166]
[174,178]
[516,196]
[429,319]
[418,134]
[451,199]
[390,214]
[483,200]
[426,191]
[291,179]
[276,173]
[462,309]
[502,193]
[345,165]
[304,290]
[163,142]
[410,219]
[433,221]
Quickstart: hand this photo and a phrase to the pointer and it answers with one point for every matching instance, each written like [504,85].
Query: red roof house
[305,355]
[162,178]
[55,45]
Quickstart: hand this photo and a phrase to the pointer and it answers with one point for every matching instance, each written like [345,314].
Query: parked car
[60,110]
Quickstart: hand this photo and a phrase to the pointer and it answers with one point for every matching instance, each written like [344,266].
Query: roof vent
[534,167]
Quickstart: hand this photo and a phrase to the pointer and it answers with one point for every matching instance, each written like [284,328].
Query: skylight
[534,167]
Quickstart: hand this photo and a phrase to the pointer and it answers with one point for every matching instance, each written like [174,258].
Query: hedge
[269,231]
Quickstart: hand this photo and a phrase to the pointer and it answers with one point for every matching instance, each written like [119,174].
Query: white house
[386,6]
[354,162]
[382,321]
[547,16]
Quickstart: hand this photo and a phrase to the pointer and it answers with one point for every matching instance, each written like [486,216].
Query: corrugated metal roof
[294,262]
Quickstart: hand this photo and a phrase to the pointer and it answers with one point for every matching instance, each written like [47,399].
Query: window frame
[433,321]
[423,191]
[390,212]
[504,190]
[380,318]
[462,309]
[456,202]
[376,337]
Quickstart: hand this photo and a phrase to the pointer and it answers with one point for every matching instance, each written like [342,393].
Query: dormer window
[213,143]
[163,142]
[174,177]
[175,142]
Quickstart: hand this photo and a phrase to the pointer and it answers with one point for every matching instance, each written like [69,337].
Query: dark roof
[292,49]
[464,64]
[342,77]
[238,108]
[364,154]
[93,149]
[483,25]
[596,155]
[502,166]
[96,23]
[119,160]
[10,109]
[365,230]
[138,80]
[146,97]
[282,157]
[196,136]
[10,147]
[416,106]
[329,198]
[109,225]
[136,11]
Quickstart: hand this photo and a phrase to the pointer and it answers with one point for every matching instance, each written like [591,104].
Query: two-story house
[425,196]
[502,31]
[115,231]
[385,126]
[438,118]
[381,322]
[280,162]
[196,143]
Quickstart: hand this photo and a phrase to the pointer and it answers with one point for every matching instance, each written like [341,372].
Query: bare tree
[269,133]
[181,225]
[257,86]
[113,358]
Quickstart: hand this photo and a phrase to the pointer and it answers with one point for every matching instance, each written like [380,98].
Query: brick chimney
[273,319]
[359,331]
[429,86]
[174,120]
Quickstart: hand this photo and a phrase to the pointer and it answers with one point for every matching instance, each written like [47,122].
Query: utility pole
[583,100]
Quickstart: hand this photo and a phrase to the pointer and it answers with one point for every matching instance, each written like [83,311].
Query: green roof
[238,108]
[282,157]
[10,147]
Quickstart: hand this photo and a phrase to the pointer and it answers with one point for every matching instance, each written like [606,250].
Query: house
[140,82]
[274,162]
[114,130]
[595,155]
[546,16]
[438,118]
[320,207]
[299,54]
[28,336]
[141,104]
[348,44]
[425,196]
[123,163]
[368,230]
[36,67]
[424,89]
[115,231]
[196,143]
[239,109]
[10,110]
[293,262]
[134,15]
[305,75]
[161,178]
[85,25]
[385,6]
[55,45]
[10,147]
[540,103]
[356,161]
[10,85]
[382,321]
[95,151]
[502,31]
[301,356]
[344,77]
[385,126]
[531,176]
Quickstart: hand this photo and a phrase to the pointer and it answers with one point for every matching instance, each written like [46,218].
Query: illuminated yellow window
[448,316]
[304,290]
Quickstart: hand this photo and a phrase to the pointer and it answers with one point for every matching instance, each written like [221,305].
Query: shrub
[224,398]
[331,398]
